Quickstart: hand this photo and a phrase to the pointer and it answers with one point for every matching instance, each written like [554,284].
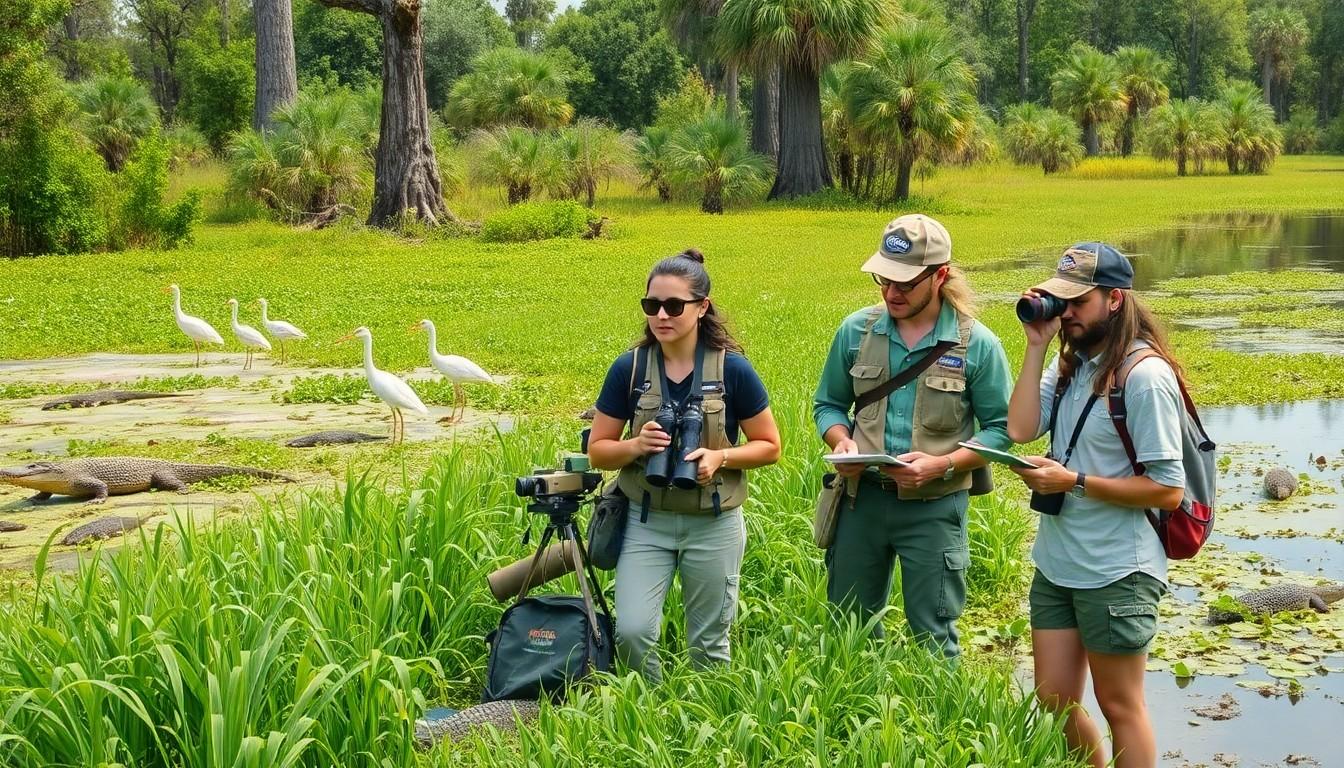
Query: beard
[1091,335]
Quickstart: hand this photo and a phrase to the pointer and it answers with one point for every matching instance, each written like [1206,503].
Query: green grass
[13,390]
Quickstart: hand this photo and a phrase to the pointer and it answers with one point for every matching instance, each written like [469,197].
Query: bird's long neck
[368,356]
[233,313]
[433,339]
[264,319]
[177,303]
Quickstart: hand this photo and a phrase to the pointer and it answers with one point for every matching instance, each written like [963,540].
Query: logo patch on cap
[1067,263]
[951,361]
[896,244]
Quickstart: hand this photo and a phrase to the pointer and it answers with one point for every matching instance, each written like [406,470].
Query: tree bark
[1025,10]
[1091,138]
[223,23]
[903,166]
[730,91]
[277,83]
[802,166]
[406,173]
[1180,162]
[1267,79]
[765,113]
[1127,132]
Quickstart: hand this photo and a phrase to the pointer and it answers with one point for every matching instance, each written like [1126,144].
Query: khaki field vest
[942,416]
[732,483]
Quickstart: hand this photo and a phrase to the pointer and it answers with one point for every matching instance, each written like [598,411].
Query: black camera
[1047,503]
[1032,309]
[574,479]
[670,466]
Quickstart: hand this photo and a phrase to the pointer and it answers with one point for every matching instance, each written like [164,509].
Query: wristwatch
[951,469]
[1079,486]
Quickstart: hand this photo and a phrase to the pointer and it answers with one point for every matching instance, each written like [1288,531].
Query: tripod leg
[568,532]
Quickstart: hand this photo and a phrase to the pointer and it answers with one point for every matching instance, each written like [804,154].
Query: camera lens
[1031,309]
[525,486]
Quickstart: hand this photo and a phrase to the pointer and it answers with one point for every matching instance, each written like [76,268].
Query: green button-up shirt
[987,379]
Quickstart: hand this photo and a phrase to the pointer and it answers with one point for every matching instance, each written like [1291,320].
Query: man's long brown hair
[1132,321]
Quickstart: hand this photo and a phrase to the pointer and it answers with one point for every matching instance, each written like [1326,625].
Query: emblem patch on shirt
[951,361]
[896,244]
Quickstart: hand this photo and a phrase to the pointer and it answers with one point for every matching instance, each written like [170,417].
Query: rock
[7,526]
[1280,483]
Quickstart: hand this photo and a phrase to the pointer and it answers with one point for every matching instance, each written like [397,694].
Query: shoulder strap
[902,378]
[1115,402]
[1077,429]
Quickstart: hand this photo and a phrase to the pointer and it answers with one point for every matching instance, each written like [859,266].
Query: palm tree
[1245,128]
[654,162]
[713,153]
[1176,130]
[1021,131]
[509,86]
[914,93]
[1087,87]
[1033,134]
[115,112]
[586,154]
[1277,36]
[1300,133]
[1142,75]
[513,156]
[801,37]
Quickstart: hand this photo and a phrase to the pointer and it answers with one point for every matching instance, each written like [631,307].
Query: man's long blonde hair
[956,290]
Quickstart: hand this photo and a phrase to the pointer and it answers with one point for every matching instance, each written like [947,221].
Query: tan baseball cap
[909,245]
[1085,266]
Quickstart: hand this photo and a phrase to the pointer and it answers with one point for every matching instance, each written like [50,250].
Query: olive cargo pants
[928,537]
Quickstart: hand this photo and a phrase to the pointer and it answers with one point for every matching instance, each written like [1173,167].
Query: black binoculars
[1031,309]
[669,466]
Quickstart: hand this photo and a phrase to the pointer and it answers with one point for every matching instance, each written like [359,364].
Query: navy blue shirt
[743,393]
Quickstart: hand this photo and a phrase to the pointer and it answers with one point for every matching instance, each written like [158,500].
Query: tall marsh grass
[315,630]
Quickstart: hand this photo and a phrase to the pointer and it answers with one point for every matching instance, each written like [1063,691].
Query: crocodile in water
[104,397]
[333,437]
[1280,597]
[98,478]
[101,528]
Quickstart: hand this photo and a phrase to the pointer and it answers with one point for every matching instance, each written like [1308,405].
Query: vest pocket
[943,406]
[867,377]
[716,424]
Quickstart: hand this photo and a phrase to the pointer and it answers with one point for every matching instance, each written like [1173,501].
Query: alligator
[1280,483]
[104,397]
[101,477]
[102,528]
[1280,597]
[6,526]
[333,437]
[503,715]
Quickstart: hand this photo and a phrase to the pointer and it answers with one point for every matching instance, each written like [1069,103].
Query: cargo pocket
[952,591]
[944,405]
[729,601]
[867,377]
[1132,626]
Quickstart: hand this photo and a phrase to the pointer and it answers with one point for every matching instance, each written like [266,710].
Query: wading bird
[279,329]
[248,336]
[456,368]
[196,329]
[390,389]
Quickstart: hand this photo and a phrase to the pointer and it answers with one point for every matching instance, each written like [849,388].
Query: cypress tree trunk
[406,174]
[1127,134]
[277,83]
[802,156]
[903,166]
[730,91]
[1091,138]
[765,113]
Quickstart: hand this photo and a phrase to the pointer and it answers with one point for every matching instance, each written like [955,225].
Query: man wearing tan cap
[920,374]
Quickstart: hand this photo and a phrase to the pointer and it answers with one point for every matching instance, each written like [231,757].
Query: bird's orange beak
[345,338]
[166,289]
[414,327]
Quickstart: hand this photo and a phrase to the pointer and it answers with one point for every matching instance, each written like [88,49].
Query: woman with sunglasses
[685,499]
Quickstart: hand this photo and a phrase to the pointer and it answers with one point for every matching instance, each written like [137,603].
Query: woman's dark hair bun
[693,254]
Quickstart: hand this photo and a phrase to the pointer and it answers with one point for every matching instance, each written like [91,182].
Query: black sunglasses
[673,306]
[884,283]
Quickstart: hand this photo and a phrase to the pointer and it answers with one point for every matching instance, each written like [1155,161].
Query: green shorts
[1119,618]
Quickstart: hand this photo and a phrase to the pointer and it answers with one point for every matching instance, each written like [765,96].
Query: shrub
[1033,134]
[218,88]
[143,219]
[1301,134]
[509,86]
[115,112]
[1333,138]
[584,155]
[186,145]
[713,154]
[513,156]
[537,221]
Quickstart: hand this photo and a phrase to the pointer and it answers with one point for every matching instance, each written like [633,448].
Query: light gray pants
[707,551]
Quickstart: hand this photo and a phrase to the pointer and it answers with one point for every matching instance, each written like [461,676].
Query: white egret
[456,368]
[279,329]
[390,389]
[196,329]
[248,336]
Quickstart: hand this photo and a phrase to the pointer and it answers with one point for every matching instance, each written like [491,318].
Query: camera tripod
[561,510]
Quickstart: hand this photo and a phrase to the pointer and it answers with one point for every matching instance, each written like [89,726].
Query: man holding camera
[1100,565]
[920,372]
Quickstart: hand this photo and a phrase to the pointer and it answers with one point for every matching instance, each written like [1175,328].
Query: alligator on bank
[1280,597]
[9,526]
[333,437]
[104,397]
[503,715]
[96,479]
[102,528]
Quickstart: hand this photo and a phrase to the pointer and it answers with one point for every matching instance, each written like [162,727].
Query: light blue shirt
[1092,543]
